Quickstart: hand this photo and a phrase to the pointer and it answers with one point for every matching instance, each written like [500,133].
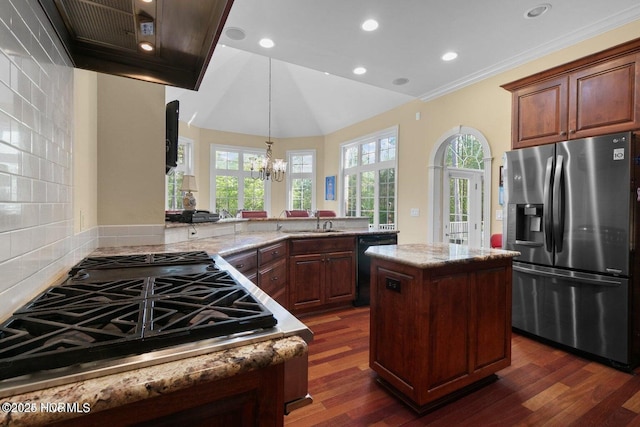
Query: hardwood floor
[542,387]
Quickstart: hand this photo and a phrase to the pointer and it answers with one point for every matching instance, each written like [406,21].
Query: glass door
[463,204]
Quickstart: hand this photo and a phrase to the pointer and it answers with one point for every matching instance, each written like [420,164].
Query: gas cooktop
[126,305]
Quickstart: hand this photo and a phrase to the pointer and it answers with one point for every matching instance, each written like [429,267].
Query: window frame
[187,168]
[301,175]
[240,173]
[376,166]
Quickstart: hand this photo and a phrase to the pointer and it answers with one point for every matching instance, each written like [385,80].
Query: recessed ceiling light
[359,70]
[449,56]
[235,33]
[146,46]
[537,11]
[370,25]
[268,43]
[400,81]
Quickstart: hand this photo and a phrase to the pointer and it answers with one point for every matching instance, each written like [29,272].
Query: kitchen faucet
[317,215]
[324,226]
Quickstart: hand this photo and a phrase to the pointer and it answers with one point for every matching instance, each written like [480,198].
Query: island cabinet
[322,273]
[593,96]
[272,271]
[439,331]
[251,399]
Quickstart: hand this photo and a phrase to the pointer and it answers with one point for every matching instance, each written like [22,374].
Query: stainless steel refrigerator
[571,212]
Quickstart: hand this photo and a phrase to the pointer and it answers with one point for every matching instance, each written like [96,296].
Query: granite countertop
[115,390]
[436,254]
[231,243]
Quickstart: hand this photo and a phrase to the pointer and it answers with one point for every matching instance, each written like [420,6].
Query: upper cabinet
[167,42]
[596,95]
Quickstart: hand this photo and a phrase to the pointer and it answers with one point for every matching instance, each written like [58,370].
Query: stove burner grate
[79,322]
[142,260]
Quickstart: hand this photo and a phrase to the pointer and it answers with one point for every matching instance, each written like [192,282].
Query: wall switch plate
[499,215]
[415,212]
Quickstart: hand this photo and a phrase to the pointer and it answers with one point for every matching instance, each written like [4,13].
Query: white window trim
[189,155]
[291,175]
[188,168]
[244,151]
[377,165]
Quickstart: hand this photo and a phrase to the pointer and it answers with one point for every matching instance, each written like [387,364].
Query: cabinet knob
[239,265]
[274,278]
[275,253]
[563,133]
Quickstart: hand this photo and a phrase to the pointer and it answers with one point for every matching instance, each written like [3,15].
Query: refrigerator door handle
[558,203]
[568,275]
[546,210]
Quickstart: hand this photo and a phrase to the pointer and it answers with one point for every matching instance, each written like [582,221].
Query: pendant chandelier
[265,167]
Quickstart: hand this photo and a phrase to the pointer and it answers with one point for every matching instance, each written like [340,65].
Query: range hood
[106,36]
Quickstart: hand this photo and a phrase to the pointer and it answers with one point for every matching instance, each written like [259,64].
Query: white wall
[37,243]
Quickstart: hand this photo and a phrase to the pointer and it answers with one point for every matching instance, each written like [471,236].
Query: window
[301,180]
[233,187]
[369,178]
[174,179]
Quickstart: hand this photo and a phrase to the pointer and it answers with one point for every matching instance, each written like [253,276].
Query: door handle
[546,212]
[558,204]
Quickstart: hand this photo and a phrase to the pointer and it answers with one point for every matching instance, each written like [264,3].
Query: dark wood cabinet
[321,272]
[605,98]
[272,272]
[245,262]
[592,96]
[438,331]
[540,113]
[251,399]
[272,278]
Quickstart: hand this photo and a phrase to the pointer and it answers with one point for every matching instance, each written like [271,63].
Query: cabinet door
[605,98]
[340,277]
[491,317]
[539,113]
[306,274]
[273,280]
[399,327]
[449,312]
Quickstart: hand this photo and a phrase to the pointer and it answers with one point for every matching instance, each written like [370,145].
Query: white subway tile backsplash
[37,243]
[5,246]
[5,187]
[21,189]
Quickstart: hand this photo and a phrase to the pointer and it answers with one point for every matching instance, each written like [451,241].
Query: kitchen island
[440,319]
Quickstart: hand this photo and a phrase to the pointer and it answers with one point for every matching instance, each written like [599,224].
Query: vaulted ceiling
[318,44]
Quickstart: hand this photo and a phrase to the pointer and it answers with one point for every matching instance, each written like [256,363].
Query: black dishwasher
[363,277]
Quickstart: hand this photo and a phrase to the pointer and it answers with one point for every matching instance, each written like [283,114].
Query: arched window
[460,170]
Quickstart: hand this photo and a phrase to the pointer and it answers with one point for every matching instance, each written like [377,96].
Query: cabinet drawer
[244,262]
[322,244]
[273,280]
[272,253]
